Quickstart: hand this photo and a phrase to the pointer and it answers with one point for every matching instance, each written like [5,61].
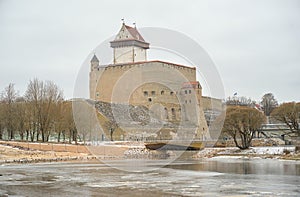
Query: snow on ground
[270,150]
[233,151]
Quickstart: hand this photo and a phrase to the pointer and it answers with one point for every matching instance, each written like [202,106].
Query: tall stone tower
[95,63]
[129,46]
[169,91]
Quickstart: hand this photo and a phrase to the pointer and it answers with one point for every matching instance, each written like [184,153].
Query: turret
[94,62]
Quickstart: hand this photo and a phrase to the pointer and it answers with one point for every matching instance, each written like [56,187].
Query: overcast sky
[255,44]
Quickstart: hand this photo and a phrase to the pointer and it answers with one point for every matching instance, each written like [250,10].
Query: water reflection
[243,166]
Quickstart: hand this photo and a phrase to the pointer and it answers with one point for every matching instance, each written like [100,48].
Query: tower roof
[134,33]
[129,36]
[94,59]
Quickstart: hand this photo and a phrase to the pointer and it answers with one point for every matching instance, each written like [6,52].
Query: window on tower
[173,114]
[166,113]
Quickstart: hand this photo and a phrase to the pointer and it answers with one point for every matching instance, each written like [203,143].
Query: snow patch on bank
[270,150]
[233,151]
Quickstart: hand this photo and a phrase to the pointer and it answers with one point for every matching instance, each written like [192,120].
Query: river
[209,177]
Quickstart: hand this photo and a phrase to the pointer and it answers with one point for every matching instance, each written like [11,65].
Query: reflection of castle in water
[169,91]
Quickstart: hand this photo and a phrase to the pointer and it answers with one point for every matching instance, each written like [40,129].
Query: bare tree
[63,121]
[268,103]
[110,127]
[32,122]
[69,127]
[33,96]
[28,119]
[43,96]
[2,121]
[241,123]
[289,113]
[21,118]
[8,97]
[85,119]
[58,120]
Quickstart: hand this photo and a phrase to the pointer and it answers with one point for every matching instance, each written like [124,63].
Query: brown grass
[24,152]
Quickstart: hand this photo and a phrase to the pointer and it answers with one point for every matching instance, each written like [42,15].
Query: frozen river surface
[213,177]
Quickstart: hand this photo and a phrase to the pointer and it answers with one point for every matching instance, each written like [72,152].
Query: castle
[170,91]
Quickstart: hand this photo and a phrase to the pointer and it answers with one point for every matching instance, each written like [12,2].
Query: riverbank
[273,152]
[10,154]
[21,152]
[30,152]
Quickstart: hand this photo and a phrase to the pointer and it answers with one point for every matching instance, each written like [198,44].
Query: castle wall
[107,79]
[209,103]
[163,101]
[156,85]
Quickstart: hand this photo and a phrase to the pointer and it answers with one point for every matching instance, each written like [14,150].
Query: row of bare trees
[38,114]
